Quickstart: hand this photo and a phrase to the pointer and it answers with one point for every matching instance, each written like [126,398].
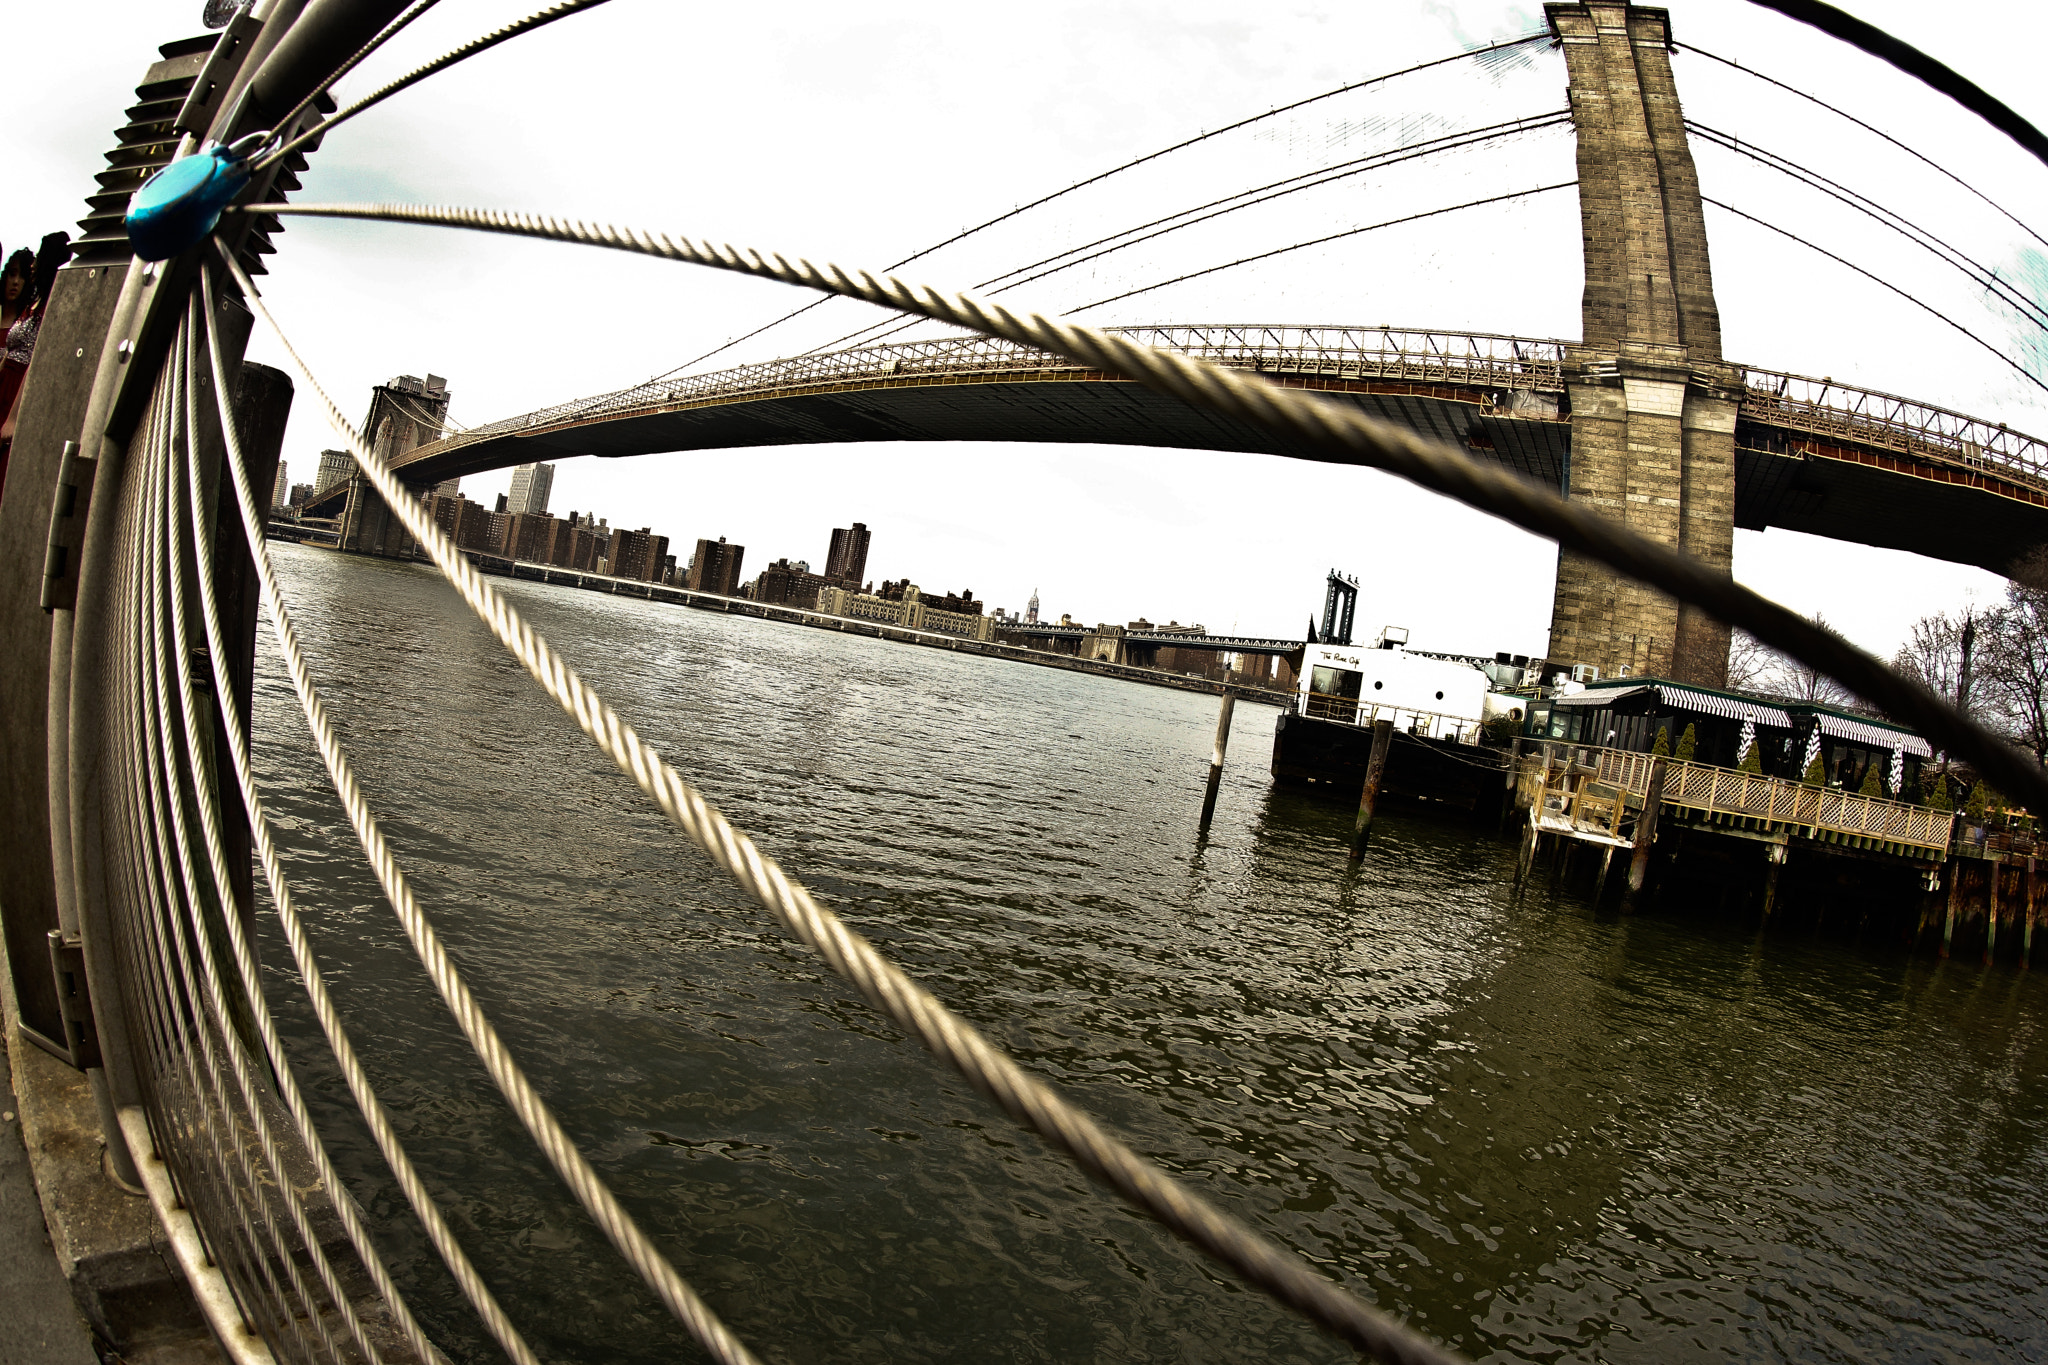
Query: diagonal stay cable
[372,1109]
[918,1011]
[569,1162]
[441,63]
[1319,429]
[1040,202]
[2014,365]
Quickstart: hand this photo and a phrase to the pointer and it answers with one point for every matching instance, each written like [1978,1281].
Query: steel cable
[383,36]
[441,63]
[243,951]
[1043,200]
[1026,1098]
[1321,429]
[1218,208]
[375,1116]
[568,1160]
[253,1222]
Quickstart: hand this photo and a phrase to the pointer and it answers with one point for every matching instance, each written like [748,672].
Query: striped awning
[1684,699]
[1876,736]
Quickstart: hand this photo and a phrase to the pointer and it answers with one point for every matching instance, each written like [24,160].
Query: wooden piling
[1771,882]
[1375,769]
[2027,934]
[1646,829]
[1991,915]
[1955,896]
[1216,753]
[1607,852]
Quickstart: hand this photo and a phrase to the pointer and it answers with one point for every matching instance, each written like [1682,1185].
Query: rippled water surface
[1538,1131]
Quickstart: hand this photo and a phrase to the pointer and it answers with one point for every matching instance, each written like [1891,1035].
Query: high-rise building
[335,467]
[848,558]
[281,489]
[1031,609]
[716,568]
[531,484]
[638,554]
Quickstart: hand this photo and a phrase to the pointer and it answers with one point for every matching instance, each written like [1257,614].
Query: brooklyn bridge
[140,847]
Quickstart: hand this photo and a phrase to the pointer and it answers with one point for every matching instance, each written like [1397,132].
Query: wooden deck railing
[1730,791]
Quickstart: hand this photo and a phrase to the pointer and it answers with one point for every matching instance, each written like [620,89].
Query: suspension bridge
[135,561]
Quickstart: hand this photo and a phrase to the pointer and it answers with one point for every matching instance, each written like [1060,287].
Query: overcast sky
[861,134]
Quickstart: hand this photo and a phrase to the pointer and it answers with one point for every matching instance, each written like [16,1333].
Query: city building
[469,524]
[637,555]
[908,609]
[531,484]
[1031,609]
[847,560]
[280,489]
[529,537]
[335,467]
[790,583]
[716,567]
[300,492]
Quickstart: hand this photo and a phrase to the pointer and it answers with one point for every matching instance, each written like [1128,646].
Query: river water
[1536,1130]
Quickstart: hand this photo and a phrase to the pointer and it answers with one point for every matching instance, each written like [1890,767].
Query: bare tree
[1933,653]
[1749,662]
[2012,692]
[1781,675]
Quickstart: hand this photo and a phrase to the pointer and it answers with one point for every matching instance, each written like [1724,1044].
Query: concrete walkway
[39,1323]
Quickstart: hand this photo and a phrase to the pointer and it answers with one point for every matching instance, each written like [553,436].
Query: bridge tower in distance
[1652,404]
[1340,605]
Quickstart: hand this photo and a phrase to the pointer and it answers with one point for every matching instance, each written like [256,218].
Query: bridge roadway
[1812,455]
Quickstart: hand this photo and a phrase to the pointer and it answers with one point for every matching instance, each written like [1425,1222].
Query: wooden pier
[1983,885]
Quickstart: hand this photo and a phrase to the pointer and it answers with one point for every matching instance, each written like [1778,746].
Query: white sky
[863,133]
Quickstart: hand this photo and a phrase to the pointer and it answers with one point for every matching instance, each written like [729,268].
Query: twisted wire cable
[441,63]
[568,1160]
[1026,1098]
[1317,428]
[252,1198]
[383,36]
[375,1116]
[244,953]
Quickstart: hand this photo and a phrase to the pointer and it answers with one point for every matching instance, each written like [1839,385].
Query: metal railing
[1843,412]
[1351,711]
[1386,353]
[1730,791]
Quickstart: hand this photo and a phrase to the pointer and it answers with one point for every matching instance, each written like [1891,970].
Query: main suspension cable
[1868,128]
[1135,162]
[1927,241]
[1318,241]
[1201,213]
[1318,429]
[1928,308]
[992,1071]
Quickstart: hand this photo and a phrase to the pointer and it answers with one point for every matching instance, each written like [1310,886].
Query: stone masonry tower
[1652,404]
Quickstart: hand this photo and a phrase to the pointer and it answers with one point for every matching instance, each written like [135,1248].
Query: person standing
[21,337]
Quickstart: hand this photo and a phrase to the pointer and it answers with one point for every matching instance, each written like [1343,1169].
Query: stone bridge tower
[1652,404]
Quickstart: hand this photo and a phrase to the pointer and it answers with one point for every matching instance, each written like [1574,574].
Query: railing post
[1375,769]
[1646,829]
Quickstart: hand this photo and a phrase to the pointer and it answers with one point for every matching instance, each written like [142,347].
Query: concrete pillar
[1653,407]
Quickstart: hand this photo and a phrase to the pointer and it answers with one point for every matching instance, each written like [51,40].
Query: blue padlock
[179,205]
